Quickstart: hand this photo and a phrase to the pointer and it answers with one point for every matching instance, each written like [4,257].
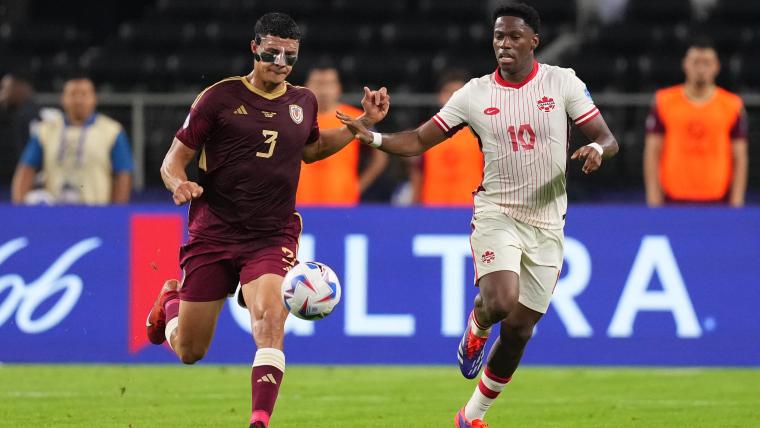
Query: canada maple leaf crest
[488,257]
[546,104]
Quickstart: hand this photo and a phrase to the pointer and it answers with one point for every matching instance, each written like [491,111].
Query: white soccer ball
[310,290]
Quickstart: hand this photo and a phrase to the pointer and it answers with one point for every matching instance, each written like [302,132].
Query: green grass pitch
[374,396]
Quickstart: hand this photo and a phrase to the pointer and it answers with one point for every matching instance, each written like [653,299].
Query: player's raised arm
[375,104]
[406,143]
[603,144]
[174,175]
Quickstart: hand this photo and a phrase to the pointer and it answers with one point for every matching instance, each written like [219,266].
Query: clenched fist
[186,191]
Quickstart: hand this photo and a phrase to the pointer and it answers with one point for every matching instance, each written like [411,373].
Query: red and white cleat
[461,422]
[156,323]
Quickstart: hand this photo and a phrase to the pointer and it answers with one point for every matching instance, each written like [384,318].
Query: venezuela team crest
[296,113]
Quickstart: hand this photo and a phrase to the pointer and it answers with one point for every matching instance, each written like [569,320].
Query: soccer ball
[310,290]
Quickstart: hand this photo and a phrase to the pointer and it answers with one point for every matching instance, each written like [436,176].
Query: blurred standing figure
[84,156]
[447,174]
[17,113]
[696,143]
[335,181]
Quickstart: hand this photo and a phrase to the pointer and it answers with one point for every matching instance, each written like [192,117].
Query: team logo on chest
[546,104]
[296,113]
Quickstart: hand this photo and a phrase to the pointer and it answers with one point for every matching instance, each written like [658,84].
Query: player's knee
[190,353]
[192,356]
[516,331]
[497,309]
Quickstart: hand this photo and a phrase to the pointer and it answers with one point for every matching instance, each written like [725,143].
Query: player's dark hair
[277,24]
[78,75]
[701,42]
[519,10]
[324,64]
[452,75]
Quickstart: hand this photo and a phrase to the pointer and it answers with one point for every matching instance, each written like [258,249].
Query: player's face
[326,86]
[701,65]
[447,90]
[277,55]
[513,43]
[79,99]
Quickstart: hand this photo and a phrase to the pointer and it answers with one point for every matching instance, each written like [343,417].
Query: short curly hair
[519,10]
[277,24]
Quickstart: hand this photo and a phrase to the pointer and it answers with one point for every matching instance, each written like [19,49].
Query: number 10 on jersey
[527,142]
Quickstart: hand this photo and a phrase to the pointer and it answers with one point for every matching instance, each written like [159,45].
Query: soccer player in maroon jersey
[252,133]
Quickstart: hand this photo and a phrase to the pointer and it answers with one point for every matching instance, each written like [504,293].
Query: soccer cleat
[471,350]
[156,323]
[461,422]
[258,425]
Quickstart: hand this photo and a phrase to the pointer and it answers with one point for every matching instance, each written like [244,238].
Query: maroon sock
[266,377]
[171,308]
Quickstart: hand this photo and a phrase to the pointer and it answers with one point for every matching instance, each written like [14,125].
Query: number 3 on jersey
[519,134]
[271,139]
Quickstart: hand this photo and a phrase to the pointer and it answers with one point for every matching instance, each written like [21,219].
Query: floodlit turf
[356,396]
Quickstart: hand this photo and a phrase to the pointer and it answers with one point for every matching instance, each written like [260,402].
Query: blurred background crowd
[88,107]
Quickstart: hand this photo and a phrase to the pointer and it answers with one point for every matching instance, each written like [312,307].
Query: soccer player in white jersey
[521,115]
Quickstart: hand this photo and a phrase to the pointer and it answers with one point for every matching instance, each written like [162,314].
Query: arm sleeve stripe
[441,123]
[595,114]
[583,116]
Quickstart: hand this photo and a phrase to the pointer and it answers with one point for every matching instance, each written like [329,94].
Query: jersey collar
[502,82]
[268,95]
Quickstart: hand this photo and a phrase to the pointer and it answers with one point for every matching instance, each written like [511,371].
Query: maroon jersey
[251,145]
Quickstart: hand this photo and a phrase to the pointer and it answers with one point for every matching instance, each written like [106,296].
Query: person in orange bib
[696,143]
[447,174]
[335,181]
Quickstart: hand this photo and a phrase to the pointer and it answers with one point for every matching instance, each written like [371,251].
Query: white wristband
[377,140]
[597,147]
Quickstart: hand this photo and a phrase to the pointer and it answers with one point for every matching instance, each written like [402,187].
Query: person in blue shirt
[84,157]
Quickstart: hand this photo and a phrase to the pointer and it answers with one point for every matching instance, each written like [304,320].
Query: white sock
[270,357]
[485,394]
[477,329]
[170,327]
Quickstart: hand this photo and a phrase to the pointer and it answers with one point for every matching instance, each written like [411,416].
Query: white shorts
[499,242]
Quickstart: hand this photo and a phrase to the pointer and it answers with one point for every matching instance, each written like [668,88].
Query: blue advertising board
[671,286]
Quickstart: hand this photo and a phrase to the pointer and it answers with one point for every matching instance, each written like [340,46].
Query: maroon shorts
[212,270]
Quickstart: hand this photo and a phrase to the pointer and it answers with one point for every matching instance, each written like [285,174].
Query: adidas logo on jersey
[267,378]
[241,110]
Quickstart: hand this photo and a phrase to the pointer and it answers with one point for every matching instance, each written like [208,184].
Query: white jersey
[524,132]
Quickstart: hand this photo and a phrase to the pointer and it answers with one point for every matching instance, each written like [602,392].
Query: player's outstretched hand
[593,158]
[356,126]
[376,104]
[186,192]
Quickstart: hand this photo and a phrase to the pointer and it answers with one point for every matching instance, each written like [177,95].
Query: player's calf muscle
[267,312]
[271,324]
[516,332]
